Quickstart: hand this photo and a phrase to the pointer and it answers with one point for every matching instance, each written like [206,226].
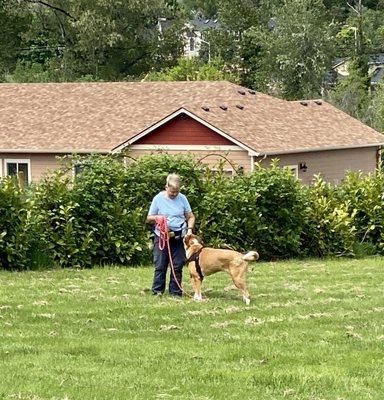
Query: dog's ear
[195,240]
[187,240]
[192,239]
[200,240]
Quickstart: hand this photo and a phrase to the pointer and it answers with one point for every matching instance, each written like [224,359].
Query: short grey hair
[173,180]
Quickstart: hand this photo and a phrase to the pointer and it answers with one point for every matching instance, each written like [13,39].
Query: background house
[206,119]
[192,34]
[339,70]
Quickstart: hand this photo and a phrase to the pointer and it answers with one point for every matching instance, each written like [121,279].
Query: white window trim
[18,160]
[294,169]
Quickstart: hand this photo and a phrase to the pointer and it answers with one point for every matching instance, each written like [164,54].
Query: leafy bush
[364,195]
[55,222]
[329,227]
[146,177]
[98,217]
[262,210]
[92,220]
[14,238]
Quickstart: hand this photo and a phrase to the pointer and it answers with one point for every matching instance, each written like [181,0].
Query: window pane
[23,169]
[11,169]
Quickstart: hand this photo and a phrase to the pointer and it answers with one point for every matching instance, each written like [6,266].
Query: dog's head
[191,239]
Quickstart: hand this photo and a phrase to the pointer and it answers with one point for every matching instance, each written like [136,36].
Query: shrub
[98,217]
[146,177]
[262,210]
[14,238]
[329,227]
[109,213]
[92,220]
[364,196]
[54,222]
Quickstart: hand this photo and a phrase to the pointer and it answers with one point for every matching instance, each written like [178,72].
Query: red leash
[162,226]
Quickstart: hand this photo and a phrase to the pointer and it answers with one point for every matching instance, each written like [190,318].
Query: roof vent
[242,92]
[240,106]
[224,108]
[205,108]
[318,102]
[252,91]
[304,103]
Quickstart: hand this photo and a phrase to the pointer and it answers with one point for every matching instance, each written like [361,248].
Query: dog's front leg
[196,283]
[197,296]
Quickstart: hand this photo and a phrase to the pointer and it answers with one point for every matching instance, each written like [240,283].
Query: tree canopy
[282,47]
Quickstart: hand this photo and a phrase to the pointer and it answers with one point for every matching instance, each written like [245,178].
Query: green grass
[314,330]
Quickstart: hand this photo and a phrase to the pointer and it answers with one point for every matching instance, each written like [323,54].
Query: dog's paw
[198,297]
[247,300]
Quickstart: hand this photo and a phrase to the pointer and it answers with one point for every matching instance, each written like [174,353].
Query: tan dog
[212,260]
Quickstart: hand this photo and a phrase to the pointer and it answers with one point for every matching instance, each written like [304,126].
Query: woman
[180,220]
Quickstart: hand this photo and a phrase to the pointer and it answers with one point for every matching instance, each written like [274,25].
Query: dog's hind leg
[238,278]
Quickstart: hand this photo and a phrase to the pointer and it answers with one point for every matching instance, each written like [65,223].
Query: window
[16,167]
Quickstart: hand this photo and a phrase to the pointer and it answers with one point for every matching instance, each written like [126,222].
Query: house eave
[315,149]
[55,151]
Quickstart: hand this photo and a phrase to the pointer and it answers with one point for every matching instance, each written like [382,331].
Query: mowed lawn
[314,330]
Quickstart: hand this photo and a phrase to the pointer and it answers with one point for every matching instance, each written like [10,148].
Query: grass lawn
[314,330]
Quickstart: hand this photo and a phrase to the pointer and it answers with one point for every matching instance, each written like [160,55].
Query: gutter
[315,149]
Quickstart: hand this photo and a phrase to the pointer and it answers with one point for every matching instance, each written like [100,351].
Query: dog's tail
[251,256]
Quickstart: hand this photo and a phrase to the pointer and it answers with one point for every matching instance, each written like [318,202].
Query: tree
[194,69]
[238,16]
[351,96]
[378,109]
[12,27]
[292,56]
[230,41]
[208,8]
[107,40]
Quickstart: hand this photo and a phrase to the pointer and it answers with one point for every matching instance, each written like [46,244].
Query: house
[41,121]
[192,34]
[339,70]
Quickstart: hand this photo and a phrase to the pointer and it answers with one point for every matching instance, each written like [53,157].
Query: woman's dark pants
[161,261]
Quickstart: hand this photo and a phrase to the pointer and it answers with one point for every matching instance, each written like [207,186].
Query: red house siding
[184,130]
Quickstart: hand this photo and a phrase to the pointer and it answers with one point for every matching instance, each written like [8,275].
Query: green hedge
[15,240]
[98,217]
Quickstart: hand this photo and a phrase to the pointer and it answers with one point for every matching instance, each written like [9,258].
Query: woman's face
[172,192]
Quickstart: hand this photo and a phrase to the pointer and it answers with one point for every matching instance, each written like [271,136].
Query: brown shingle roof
[80,117]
